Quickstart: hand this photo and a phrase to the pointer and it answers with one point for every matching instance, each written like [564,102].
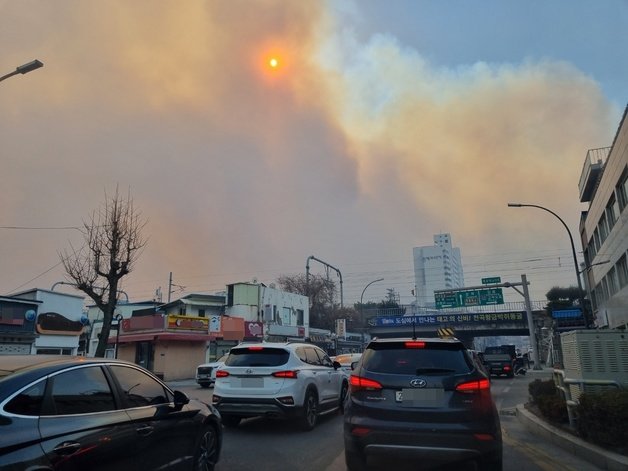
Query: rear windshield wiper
[421,371]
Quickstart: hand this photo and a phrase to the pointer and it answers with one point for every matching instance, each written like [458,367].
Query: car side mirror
[354,364]
[337,365]
[180,399]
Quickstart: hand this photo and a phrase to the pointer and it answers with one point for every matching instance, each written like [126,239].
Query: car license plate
[203,376]
[252,382]
[429,397]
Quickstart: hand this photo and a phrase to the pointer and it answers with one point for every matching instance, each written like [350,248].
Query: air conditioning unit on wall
[595,355]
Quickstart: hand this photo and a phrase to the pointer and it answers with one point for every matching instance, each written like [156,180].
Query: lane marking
[539,457]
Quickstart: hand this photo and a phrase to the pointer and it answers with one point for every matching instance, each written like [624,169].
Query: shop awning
[161,336]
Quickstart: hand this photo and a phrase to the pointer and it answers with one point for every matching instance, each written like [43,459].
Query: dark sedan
[76,413]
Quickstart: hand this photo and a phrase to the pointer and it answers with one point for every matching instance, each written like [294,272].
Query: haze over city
[378,125]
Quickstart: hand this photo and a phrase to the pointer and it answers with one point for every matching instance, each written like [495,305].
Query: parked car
[423,402]
[72,413]
[279,380]
[206,373]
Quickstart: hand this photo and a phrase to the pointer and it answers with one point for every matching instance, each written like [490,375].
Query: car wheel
[231,420]
[207,453]
[343,396]
[354,461]
[310,411]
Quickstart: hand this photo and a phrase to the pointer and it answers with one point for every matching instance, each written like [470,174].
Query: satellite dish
[30,315]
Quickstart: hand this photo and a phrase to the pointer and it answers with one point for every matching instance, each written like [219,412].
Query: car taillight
[221,374]
[474,386]
[256,348]
[286,374]
[507,368]
[358,382]
[414,344]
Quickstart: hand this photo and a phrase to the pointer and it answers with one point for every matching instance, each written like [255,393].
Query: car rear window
[433,358]
[255,356]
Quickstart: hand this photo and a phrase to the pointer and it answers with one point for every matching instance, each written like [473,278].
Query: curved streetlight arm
[24,69]
[362,295]
[362,307]
[573,247]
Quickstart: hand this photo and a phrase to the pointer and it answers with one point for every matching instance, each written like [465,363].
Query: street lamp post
[573,252]
[23,69]
[362,307]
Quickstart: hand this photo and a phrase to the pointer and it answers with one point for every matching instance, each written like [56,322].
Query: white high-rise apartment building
[436,267]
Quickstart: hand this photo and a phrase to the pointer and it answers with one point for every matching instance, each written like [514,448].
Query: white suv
[279,380]
[206,373]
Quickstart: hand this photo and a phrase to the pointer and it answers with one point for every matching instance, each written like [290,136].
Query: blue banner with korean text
[449,319]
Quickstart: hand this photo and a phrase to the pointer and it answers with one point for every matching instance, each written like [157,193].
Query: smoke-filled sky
[382,124]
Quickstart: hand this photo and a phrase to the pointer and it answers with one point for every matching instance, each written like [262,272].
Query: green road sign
[444,300]
[466,298]
[491,281]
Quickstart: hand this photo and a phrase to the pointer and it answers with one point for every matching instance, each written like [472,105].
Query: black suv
[421,401]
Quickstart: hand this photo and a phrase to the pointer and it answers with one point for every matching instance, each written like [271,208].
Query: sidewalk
[594,454]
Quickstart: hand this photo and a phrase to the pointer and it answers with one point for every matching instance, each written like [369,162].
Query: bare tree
[113,242]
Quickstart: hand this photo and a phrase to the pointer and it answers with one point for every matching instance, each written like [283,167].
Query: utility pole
[526,297]
[169,287]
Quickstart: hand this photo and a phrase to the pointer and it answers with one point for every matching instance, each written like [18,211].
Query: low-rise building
[17,325]
[60,322]
[268,313]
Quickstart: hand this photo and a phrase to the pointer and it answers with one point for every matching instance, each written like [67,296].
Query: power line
[40,228]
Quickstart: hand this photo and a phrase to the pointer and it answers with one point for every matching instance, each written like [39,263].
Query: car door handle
[145,430]
[67,448]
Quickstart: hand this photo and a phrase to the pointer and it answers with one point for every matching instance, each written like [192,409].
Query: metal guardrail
[562,384]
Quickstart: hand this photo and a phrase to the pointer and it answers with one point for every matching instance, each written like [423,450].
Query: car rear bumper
[435,446]
[244,407]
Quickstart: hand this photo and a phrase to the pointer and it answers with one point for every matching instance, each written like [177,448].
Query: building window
[613,284]
[596,239]
[622,190]
[54,351]
[299,316]
[612,211]
[622,271]
[201,313]
[591,247]
[603,226]
[182,311]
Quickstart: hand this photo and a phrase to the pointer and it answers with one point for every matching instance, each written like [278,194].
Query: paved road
[260,445]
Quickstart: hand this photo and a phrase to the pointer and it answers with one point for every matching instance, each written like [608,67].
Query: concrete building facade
[436,267]
[604,230]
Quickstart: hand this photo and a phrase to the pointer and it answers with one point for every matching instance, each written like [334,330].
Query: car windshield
[257,356]
[395,358]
